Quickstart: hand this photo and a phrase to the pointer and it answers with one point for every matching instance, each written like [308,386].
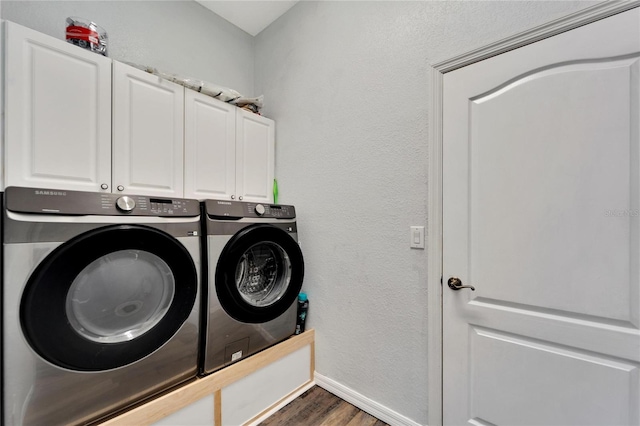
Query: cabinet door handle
[104,186]
[120,188]
[233,197]
[240,198]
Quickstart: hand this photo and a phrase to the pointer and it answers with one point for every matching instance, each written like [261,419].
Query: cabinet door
[199,413]
[247,399]
[57,113]
[210,147]
[148,124]
[255,162]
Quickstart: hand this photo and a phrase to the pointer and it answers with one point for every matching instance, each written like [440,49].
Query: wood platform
[233,395]
[318,407]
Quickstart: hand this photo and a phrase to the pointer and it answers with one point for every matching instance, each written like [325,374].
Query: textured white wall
[179,37]
[347,83]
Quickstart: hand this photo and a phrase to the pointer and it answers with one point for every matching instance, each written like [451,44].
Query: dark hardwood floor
[317,407]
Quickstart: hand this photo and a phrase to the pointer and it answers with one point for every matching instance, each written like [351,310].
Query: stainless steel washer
[255,272]
[100,302]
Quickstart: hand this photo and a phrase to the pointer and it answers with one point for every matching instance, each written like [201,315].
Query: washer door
[108,297]
[259,274]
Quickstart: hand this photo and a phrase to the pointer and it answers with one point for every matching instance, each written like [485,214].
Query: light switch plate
[416,236]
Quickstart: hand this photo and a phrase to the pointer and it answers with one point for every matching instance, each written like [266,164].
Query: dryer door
[108,297]
[259,274]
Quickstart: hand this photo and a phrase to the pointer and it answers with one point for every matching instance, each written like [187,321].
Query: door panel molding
[434,184]
[550,29]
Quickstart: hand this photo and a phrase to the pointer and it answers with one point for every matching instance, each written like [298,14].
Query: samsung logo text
[54,193]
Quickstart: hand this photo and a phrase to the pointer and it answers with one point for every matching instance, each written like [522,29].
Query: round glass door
[108,297]
[263,274]
[259,274]
[120,296]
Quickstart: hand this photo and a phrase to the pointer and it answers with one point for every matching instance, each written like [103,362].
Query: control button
[260,209]
[125,203]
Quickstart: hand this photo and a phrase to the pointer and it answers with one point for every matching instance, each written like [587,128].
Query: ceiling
[252,16]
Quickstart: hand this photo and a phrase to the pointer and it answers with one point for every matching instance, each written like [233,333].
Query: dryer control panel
[239,209]
[39,200]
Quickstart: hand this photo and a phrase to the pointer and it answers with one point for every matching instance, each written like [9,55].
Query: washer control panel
[36,200]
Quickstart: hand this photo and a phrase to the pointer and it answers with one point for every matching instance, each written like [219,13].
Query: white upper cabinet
[209,147]
[255,157]
[229,152]
[76,120]
[148,126]
[57,113]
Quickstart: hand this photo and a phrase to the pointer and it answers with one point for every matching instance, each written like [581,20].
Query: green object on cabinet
[275,191]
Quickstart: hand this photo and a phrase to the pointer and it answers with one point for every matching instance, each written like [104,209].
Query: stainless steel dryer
[255,272]
[100,302]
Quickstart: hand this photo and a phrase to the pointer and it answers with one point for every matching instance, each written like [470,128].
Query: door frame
[435,184]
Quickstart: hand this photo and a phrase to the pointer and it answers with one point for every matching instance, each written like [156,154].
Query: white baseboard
[281,404]
[362,402]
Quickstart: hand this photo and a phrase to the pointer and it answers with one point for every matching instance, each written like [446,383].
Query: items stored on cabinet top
[86,34]
[89,35]
[221,93]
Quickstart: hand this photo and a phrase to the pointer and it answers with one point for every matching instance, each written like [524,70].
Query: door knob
[455,283]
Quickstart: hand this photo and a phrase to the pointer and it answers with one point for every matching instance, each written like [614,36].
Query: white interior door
[541,215]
